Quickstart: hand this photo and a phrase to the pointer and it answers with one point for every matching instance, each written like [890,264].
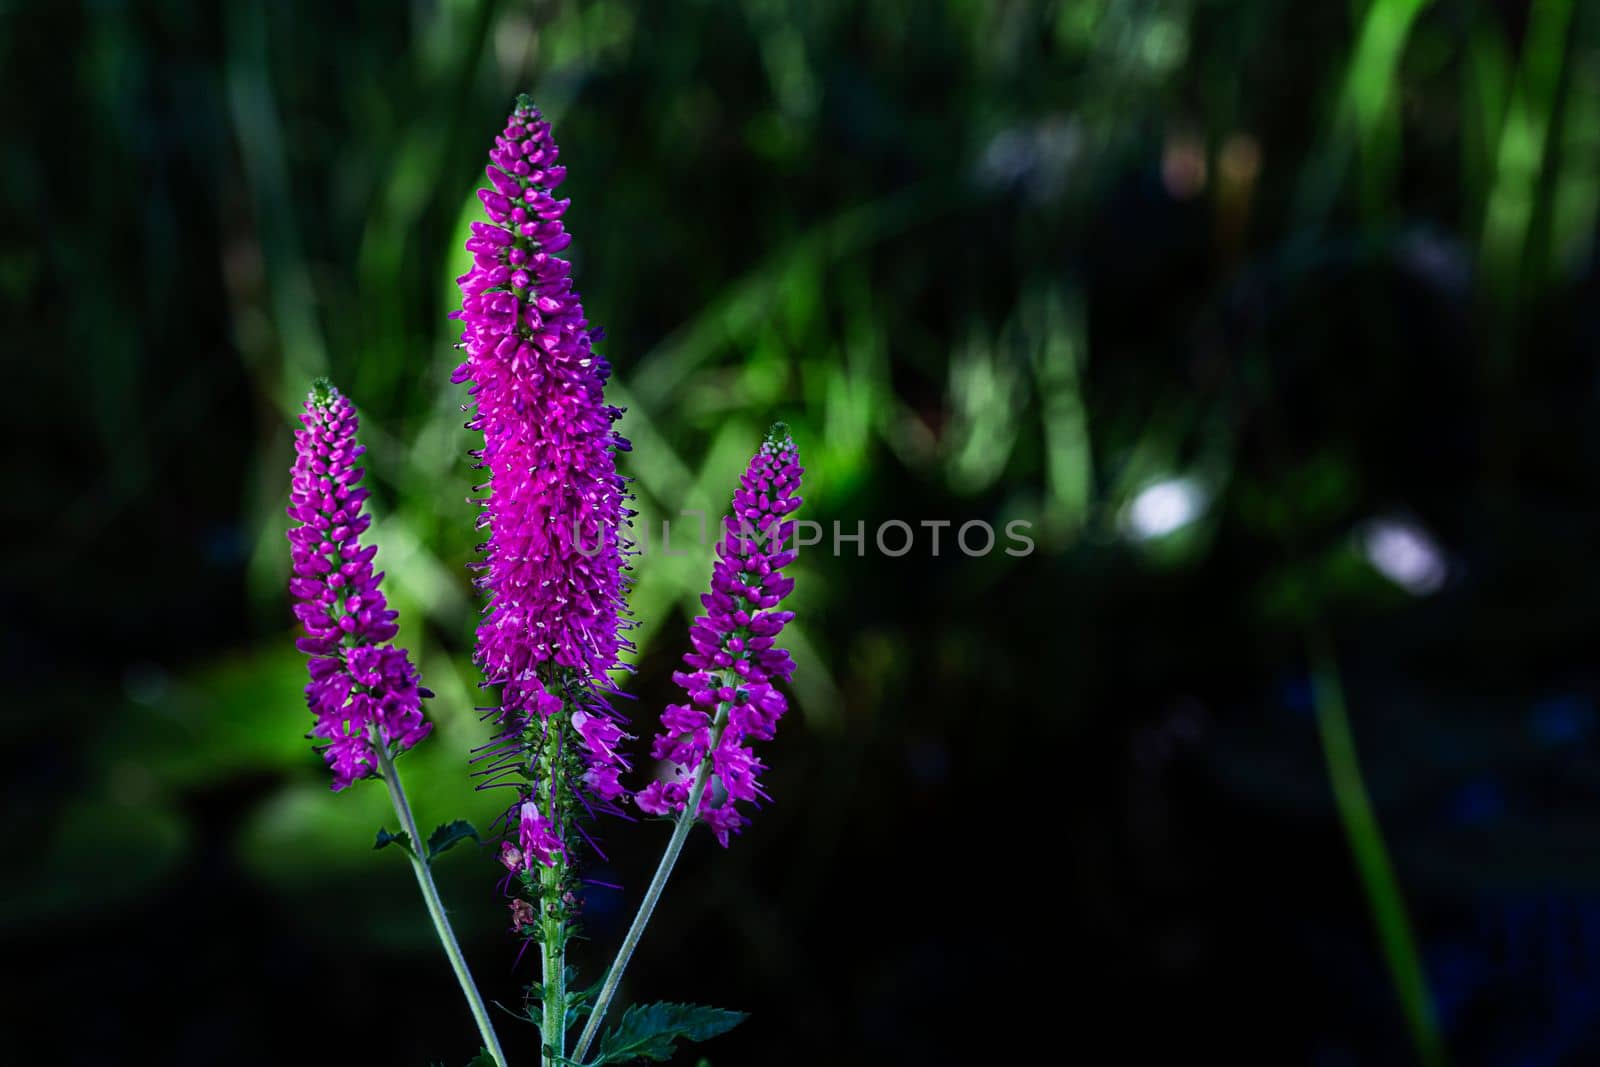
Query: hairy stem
[430,896]
[554,958]
[652,894]
[553,922]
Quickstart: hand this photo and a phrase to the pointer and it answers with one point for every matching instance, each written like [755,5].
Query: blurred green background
[1275,321]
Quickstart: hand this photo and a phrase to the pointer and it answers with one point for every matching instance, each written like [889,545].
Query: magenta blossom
[537,837]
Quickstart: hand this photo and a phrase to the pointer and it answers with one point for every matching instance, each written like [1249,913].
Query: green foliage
[236,714]
[448,835]
[652,1031]
[482,1059]
[322,219]
[96,834]
[401,839]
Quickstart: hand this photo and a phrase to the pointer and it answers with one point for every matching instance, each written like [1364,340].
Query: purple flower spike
[363,689]
[556,512]
[556,509]
[734,663]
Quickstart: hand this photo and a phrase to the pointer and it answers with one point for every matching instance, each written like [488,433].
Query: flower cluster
[556,510]
[554,575]
[735,660]
[363,689]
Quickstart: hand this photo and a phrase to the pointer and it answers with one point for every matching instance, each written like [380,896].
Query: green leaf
[482,1059]
[580,1002]
[402,839]
[449,835]
[651,1031]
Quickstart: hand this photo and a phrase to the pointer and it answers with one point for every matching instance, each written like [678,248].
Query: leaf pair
[443,839]
[579,1001]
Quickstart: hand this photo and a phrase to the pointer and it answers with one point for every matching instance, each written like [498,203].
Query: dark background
[1276,321]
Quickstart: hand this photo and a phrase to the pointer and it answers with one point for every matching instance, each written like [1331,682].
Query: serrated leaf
[402,839]
[449,835]
[651,1031]
[702,1023]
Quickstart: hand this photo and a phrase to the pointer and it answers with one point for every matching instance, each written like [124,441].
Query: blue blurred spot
[1540,946]
[601,897]
[1296,695]
[224,545]
[1457,972]
[1477,802]
[1563,720]
[929,761]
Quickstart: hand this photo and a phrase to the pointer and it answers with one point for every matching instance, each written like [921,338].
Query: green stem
[1372,861]
[430,896]
[553,923]
[652,894]
[554,995]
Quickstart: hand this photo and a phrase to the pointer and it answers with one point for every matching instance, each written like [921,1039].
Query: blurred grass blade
[286,361]
[984,395]
[1577,183]
[1486,76]
[1371,855]
[1521,152]
[1366,95]
[301,354]
[1057,360]
[746,302]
